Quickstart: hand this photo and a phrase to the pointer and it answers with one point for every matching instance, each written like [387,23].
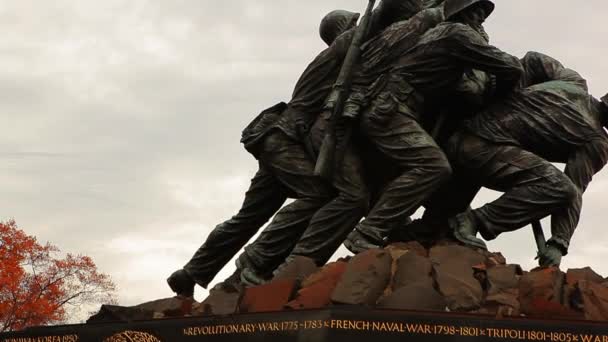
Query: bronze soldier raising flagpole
[279,177]
[411,86]
[278,139]
[409,106]
[327,154]
[510,147]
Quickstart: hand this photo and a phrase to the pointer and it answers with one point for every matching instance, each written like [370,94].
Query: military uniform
[286,170]
[427,74]
[510,147]
[321,241]
[331,223]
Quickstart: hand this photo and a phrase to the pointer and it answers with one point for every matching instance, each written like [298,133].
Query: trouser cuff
[201,281]
[484,227]
[373,235]
[561,243]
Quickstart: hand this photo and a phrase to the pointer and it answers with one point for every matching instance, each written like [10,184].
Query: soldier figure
[277,139]
[510,146]
[284,172]
[427,74]
[332,223]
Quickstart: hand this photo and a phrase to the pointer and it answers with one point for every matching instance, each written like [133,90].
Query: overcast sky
[121,119]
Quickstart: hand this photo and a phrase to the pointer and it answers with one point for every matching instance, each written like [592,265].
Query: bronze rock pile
[404,276]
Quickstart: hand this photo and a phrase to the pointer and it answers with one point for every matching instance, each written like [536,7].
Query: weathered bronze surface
[429,114]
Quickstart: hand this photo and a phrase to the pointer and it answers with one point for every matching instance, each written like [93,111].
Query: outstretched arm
[474,52]
[541,68]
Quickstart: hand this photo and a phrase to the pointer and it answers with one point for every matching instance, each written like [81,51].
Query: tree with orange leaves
[39,287]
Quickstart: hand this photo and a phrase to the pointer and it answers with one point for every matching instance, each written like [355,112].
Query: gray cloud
[121,119]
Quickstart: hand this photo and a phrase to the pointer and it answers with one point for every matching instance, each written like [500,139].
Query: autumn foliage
[38,286]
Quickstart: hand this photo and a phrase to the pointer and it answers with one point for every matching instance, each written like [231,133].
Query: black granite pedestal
[329,325]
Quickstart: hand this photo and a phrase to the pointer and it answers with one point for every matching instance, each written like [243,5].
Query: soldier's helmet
[454,7]
[335,23]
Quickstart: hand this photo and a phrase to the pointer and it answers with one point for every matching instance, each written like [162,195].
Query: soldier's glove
[551,256]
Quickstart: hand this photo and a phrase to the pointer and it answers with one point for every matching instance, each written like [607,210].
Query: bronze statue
[418,86]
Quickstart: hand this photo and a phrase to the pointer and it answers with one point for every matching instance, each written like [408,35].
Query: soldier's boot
[232,283]
[465,230]
[181,283]
[247,273]
[551,256]
[358,242]
[423,230]
[250,278]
